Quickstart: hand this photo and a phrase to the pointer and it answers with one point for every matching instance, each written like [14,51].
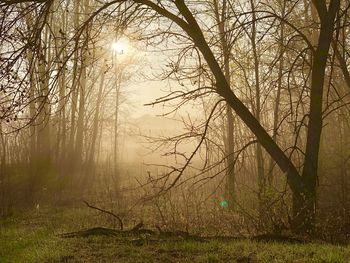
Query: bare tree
[184,20]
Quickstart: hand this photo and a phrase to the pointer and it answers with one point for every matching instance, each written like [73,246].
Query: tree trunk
[61,142]
[259,153]
[82,91]
[229,141]
[304,201]
[96,121]
[276,116]
[4,195]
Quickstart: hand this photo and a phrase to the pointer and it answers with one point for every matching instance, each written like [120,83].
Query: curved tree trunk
[303,187]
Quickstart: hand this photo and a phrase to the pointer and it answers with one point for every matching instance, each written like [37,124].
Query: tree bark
[305,202]
[229,140]
[259,153]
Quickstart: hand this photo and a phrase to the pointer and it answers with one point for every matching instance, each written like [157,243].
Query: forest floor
[34,236]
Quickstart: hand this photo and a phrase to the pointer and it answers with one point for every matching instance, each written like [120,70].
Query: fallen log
[102,231]
[96,231]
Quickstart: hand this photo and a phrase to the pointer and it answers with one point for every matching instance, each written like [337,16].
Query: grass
[32,237]
[23,242]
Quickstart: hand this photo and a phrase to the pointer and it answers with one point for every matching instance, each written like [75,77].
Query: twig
[106,212]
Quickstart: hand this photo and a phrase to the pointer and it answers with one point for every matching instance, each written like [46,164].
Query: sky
[144,86]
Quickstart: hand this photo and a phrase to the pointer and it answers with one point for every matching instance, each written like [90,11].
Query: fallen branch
[102,231]
[106,212]
[96,231]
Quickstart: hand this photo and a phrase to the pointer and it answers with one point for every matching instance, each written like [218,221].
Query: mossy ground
[33,236]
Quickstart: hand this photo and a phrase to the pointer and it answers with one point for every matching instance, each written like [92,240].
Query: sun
[120,46]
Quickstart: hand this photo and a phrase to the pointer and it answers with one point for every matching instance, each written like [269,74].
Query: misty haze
[174,131]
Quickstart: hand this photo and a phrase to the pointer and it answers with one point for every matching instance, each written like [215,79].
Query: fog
[224,118]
